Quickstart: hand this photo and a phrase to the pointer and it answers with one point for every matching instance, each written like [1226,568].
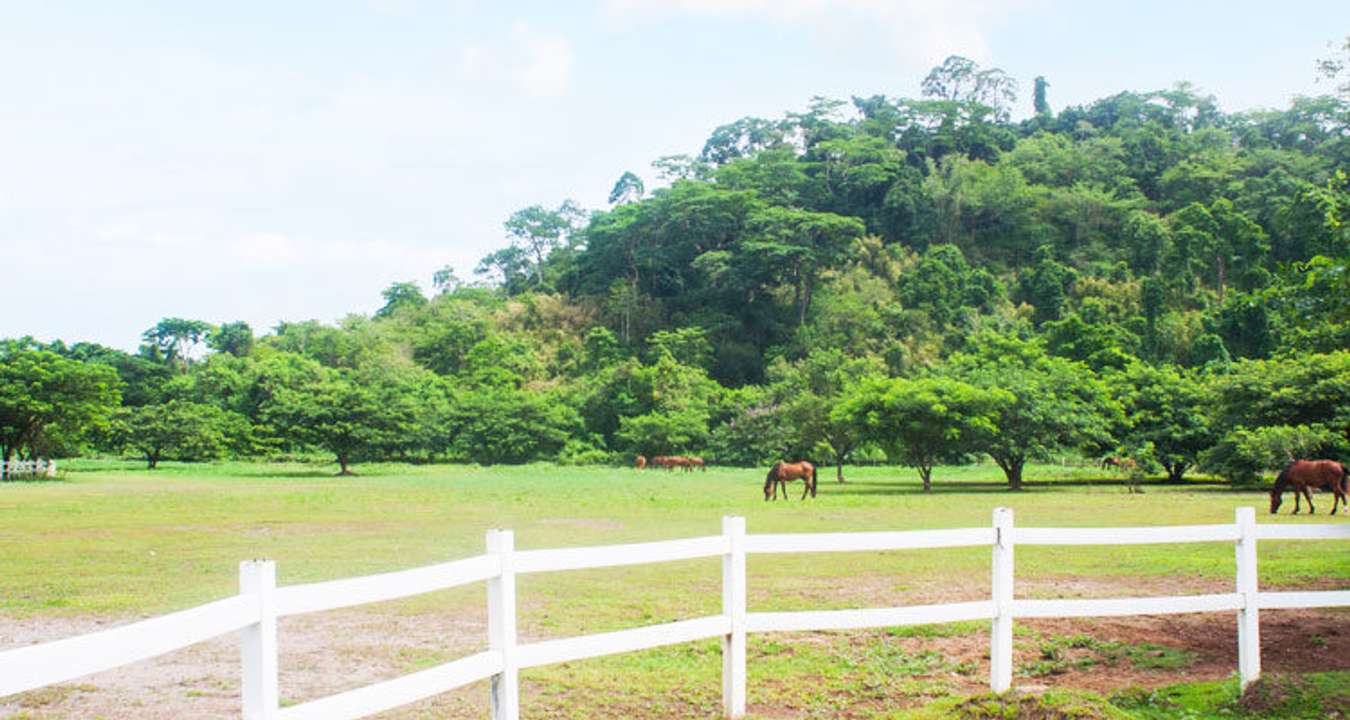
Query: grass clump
[1062,654]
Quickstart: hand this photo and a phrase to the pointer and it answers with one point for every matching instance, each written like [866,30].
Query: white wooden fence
[255,610]
[32,468]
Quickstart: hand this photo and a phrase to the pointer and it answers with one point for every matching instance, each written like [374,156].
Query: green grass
[114,539]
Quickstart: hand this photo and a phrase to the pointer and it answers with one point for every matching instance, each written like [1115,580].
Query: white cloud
[920,31]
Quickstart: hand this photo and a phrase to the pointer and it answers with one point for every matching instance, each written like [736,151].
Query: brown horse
[640,462]
[782,472]
[1301,475]
[697,462]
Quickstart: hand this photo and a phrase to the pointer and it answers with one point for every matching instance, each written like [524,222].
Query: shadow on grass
[911,486]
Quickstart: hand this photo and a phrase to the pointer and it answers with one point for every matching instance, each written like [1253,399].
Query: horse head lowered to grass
[1301,476]
[782,472]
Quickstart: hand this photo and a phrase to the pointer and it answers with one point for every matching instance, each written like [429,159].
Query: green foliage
[503,425]
[235,338]
[1165,411]
[1057,405]
[400,296]
[48,400]
[923,422]
[178,430]
[173,340]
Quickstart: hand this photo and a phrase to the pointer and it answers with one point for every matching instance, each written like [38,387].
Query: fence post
[1001,629]
[733,606]
[258,642]
[502,626]
[1248,617]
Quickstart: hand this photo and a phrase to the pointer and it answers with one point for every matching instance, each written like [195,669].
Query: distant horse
[1301,475]
[640,462]
[782,472]
[697,462]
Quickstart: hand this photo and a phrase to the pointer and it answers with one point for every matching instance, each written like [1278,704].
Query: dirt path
[330,652]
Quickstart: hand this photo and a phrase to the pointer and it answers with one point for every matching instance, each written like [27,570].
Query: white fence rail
[27,468]
[254,612]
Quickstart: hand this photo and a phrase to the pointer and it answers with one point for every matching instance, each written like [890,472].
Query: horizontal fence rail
[254,612]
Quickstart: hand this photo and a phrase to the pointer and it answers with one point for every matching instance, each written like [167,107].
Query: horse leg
[783,483]
[1298,499]
[1308,494]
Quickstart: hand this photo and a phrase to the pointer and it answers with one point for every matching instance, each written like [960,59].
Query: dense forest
[919,280]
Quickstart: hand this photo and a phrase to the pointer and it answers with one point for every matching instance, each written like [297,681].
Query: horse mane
[1282,480]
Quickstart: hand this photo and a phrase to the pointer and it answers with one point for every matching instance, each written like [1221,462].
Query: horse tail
[813,479]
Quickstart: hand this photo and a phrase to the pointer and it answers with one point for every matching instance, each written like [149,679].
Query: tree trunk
[926,472]
[1012,469]
[343,461]
[151,461]
[839,455]
[1175,472]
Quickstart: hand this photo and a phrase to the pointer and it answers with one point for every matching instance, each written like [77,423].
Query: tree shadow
[966,487]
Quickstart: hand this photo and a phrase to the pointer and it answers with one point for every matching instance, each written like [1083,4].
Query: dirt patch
[330,652]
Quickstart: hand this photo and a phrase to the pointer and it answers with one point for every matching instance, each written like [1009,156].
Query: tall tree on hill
[1038,100]
[535,233]
[627,189]
[174,339]
[962,79]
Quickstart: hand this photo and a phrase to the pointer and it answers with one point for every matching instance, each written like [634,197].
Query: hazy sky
[288,160]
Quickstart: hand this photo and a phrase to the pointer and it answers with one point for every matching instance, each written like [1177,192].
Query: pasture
[113,542]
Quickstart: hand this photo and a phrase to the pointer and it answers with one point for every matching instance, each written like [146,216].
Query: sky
[266,161]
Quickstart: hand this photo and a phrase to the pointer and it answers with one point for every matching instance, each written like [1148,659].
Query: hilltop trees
[921,277]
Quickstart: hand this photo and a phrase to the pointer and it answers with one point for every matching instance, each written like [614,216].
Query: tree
[1167,411]
[1038,99]
[177,430]
[43,393]
[1336,68]
[961,79]
[234,338]
[925,421]
[174,339]
[627,189]
[1057,405]
[1046,285]
[535,233]
[497,425]
[810,391]
[399,296]
[370,412]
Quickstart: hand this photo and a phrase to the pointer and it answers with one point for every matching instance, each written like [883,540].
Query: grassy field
[111,541]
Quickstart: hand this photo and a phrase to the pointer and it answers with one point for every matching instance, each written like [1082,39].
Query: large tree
[1057,405]
[925,421]
[1165,409]
[42,392]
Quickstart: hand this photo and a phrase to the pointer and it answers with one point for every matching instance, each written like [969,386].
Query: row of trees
[1000,395]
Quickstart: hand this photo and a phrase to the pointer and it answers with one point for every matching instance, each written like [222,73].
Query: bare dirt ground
[329,652]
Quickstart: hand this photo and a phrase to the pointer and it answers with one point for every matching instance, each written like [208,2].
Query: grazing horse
[782,472]
[697,462]
[1301,475]
[640,462]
